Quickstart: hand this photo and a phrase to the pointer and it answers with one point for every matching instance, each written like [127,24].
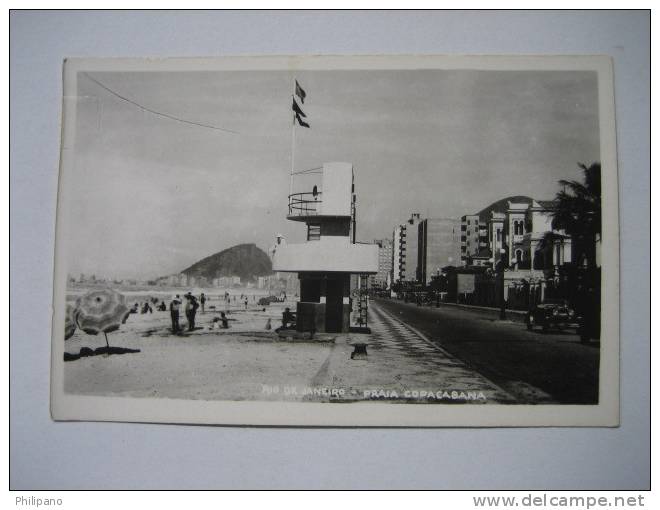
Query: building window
[518,228]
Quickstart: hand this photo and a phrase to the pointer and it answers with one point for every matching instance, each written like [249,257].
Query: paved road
[532,366]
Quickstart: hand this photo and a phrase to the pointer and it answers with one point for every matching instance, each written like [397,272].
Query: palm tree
[578,212]
[543,258]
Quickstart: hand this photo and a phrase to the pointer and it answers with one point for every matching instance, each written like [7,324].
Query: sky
[152,195]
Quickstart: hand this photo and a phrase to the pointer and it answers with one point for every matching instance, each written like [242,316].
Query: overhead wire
[156,112]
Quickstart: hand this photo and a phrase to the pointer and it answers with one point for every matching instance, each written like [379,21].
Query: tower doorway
[334,305]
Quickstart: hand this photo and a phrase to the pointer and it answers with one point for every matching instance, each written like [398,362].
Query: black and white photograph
[341,241]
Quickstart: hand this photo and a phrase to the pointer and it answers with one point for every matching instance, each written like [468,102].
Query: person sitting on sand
[288,318]
[220,322]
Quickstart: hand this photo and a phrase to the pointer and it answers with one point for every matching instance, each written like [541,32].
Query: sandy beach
[249,362]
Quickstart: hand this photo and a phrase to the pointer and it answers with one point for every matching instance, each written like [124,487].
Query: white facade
[516,214]
[333,253]
[411,271]
[331,250]
[337,188]
[398,254]
[405,250]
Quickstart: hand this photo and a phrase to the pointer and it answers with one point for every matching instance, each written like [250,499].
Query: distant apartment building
[439,246]
[383,276]
[226,281]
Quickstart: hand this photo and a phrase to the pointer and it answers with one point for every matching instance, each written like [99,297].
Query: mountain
[244,260]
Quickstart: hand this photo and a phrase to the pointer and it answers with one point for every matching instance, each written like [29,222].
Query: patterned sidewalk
[392,336]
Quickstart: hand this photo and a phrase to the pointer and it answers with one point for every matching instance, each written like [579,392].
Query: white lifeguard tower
[325,263]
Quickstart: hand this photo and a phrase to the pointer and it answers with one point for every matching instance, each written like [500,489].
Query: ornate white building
[518,228]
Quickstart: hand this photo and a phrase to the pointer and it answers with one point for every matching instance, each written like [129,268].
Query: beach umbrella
[70,321]
[101,311]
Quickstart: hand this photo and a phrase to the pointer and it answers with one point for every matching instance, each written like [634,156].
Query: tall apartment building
[398,253]
[412,272]
[438,246]
[405,241]
[380,279]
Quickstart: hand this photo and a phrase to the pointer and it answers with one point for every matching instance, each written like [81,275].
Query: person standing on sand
[174,313]
[246,302]
[202,300]
[191,310]
[195,306]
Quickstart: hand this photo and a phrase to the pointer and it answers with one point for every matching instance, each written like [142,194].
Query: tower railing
[305,204]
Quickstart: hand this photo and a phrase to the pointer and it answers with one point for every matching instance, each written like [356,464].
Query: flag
[301,122]
[300,93]
[297,109]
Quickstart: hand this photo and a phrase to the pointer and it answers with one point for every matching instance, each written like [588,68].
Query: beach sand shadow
[86,352]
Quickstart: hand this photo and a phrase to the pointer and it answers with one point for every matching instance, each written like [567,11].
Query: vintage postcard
[338,241]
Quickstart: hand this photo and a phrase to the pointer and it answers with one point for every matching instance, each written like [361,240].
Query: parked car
[552,314]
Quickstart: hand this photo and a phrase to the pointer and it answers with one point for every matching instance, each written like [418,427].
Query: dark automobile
[552,314]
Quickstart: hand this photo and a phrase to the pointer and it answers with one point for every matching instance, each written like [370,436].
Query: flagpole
[293,140]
